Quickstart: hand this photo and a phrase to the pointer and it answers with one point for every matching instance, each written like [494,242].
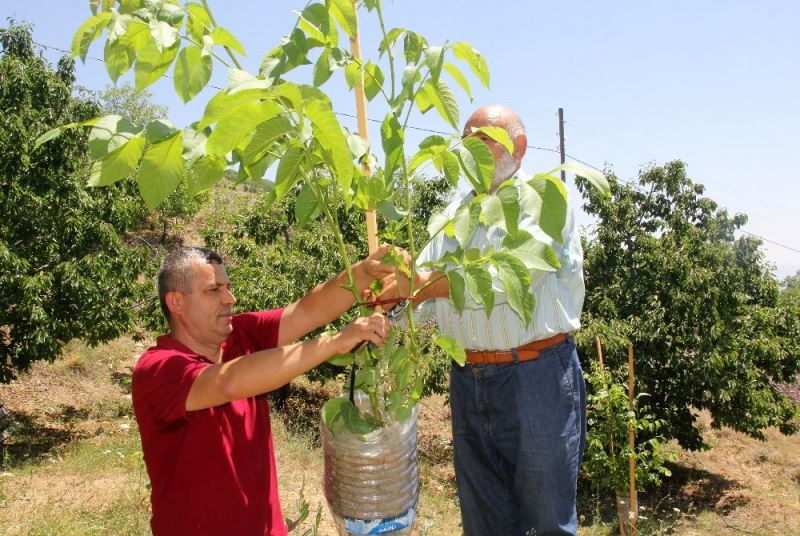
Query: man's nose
[229,297]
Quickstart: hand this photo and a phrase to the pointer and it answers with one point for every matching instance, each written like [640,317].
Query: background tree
[66,272]
[665,271]
[790,290]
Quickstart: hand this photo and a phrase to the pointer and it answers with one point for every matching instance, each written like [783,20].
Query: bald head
[497,115]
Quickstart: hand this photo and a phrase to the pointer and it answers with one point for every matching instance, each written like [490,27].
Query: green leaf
[328,132]
[516,281]
[595,177]
[450,167]
[434,58]
[392,140]
[436,223]
[227,102]
[288,170]
[109,133]
[510,204]
[477,162]
[264,137]
[165,36]
[88,32]
[457,287]
[161,170]
[315,21]
[460,79]
[462,225]
[479,283]
[536,255]
[223,37]
[306,209]
[192,72]
[373,80]
[332,414]
[554,205]
[465,52]
[205,173]
[136,36]
[118,25]
[452,348]
[498,134]
[159,130]
[413,44]
[234,127]
[322,68]
[118,59]
[199,21]
[442,98]
[117,164]
[388,41]
[151,64]
[345,14]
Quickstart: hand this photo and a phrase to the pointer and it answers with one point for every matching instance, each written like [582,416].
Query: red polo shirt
[212,471]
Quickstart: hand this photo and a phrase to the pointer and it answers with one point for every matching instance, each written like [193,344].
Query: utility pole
[561,142]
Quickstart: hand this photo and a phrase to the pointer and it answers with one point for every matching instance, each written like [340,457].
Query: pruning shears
[392,314]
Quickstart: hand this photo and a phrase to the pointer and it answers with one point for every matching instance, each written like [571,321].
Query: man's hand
[428,285]
[373,328]
[382,263]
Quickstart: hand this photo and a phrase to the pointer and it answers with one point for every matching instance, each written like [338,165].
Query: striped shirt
[559,295]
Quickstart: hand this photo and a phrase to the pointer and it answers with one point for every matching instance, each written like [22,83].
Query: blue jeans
[519,432]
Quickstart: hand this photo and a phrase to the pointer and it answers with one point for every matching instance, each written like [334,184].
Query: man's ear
[175,301]
[520,145]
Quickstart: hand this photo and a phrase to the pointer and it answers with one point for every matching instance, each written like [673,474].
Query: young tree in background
[66,270]
[665,271]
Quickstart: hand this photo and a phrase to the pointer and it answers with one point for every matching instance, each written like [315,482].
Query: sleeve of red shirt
[163,380]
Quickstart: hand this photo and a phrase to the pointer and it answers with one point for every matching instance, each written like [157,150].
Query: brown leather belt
[530,351]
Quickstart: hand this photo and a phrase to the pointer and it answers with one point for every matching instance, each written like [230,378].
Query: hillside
[73,464]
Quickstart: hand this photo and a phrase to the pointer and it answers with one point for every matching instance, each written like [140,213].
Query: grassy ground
[73,465]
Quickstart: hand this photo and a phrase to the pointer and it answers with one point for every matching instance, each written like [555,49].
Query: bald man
[519,403]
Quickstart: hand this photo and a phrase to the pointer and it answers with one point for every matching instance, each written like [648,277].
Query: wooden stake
[632,519]
[363,131]
[599,353]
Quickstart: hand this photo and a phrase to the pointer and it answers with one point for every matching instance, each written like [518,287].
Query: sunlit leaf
[388,41]
[108,133]
[88,32]
[554,205]
[477,162]
[329,133]
[264,137]
[457,287]
[442,98]
[199,22]
[159,130]
[205,173]
[392,140]
[164,34]
[373,80]
[465,52]
[500,135]
[452,348]
[223,37]
[161,170]
[117,164]
[479,283]
[151,64]
[234,127]
[118,59]
[192,72]
[595,177]
[345,14]
[536,255]
[460,79]
[517,285]
[288,170]
[306,208]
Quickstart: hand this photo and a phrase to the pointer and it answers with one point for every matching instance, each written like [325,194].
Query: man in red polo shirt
[199,394]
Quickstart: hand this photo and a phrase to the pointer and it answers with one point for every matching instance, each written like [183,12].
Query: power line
[433,131]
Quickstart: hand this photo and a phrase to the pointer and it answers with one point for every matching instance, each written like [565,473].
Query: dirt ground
[81,403]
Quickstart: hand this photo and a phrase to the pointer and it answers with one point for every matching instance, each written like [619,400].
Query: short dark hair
[175,273]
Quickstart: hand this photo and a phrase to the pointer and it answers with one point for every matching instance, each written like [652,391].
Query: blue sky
[713,83]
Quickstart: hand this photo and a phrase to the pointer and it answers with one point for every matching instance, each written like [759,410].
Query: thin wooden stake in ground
[363,131]
[632,502]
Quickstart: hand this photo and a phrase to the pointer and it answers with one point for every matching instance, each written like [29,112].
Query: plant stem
[214,22]
[379,9]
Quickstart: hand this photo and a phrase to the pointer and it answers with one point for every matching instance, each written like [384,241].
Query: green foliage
[608,450]
[665,272]
[790,290]
[258,120]
[66,271]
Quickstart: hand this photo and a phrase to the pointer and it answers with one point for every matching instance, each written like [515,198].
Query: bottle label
[380,526]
